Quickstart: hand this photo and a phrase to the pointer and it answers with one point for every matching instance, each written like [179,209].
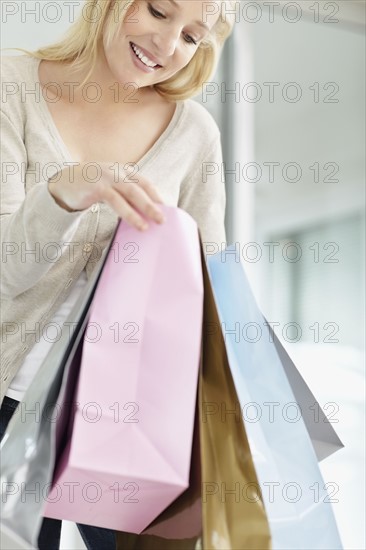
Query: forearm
[32,239]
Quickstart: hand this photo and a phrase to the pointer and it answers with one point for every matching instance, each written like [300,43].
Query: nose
[166,43]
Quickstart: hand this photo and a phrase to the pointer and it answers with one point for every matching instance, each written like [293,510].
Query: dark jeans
[95,538]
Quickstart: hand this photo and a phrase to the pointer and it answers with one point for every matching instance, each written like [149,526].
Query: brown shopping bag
[222,508]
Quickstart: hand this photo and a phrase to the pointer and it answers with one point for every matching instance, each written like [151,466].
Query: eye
[190,39]
[155,13]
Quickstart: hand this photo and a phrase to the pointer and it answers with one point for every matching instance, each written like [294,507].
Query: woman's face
[158,38]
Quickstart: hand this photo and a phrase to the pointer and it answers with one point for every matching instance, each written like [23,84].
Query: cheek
[184,58]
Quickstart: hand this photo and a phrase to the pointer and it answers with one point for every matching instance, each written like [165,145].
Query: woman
[96,127]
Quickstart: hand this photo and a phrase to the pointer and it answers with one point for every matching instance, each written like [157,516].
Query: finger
[138,198]
[130,175]
[151,190]
[123,208]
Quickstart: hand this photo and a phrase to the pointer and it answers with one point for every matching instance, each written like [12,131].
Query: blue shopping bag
[298,506]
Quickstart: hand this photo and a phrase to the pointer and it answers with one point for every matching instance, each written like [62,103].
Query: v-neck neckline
[65,150]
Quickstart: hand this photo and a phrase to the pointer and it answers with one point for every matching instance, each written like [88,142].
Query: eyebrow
[200,23]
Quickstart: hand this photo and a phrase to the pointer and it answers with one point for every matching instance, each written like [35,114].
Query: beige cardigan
[44,247]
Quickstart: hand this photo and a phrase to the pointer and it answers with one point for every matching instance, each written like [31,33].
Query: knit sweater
[44,248]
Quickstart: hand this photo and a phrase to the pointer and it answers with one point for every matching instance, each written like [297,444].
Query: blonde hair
[80,43]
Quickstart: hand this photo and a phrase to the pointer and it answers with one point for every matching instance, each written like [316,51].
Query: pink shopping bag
[128,453]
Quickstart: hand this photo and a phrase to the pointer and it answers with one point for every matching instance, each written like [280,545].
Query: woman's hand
[130,195]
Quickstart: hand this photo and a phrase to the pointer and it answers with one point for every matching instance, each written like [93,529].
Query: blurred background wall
[288,96]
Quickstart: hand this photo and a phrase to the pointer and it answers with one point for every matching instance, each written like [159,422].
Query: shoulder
[199,123]
[16,79]
[15,68]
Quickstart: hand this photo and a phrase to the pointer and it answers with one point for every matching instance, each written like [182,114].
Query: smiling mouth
[143,58]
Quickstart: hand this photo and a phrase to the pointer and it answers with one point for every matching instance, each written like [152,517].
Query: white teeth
[145,60]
